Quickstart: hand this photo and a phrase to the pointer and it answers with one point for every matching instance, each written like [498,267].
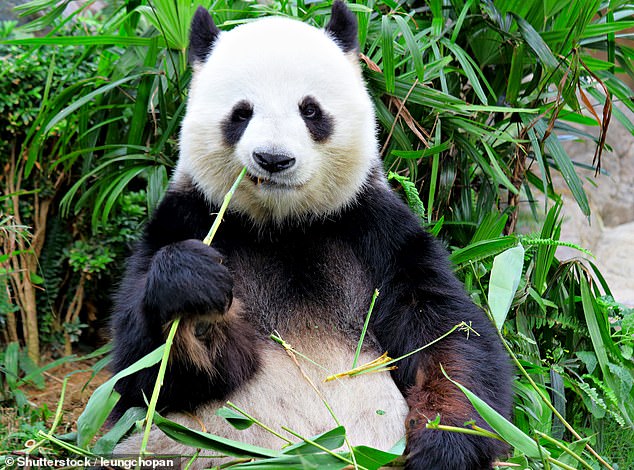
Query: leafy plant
[472,98]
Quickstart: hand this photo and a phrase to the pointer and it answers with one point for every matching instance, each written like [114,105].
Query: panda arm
[170,274]
[420,301]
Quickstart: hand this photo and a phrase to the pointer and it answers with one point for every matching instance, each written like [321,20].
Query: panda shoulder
[182,213]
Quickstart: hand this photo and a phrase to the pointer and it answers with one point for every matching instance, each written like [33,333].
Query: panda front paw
[187,279]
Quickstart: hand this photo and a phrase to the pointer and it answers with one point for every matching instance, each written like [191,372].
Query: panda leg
[433,395]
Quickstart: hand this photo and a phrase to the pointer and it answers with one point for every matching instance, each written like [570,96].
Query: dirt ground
[78,391]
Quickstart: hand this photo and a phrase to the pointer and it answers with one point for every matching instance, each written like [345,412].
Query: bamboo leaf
[203,440]
[507,430]
[413,47]
[235,419]
[371,458]
[82,41]
[506,274]
[387,49]
[295,462]
[470,70]
[332,440]
[536,43]
[105,398]
[85,99]
[106,444]
[565,167]
[481,250]
[499,173]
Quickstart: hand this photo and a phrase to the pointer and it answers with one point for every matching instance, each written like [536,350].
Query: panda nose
[273,162]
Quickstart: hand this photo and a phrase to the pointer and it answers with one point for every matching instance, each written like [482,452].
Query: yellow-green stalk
[149,417]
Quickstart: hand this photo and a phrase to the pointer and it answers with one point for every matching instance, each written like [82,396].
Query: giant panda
[311,232]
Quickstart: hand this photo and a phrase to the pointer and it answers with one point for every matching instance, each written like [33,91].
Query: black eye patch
[234,125]
[318,122]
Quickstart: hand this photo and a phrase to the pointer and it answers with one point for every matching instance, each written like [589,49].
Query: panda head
[287,101]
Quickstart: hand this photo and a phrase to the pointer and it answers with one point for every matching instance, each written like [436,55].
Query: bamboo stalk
[149,417]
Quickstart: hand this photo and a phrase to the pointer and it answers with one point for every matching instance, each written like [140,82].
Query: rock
[615,259]
[609,233]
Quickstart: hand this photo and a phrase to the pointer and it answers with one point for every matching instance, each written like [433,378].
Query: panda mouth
[263,182]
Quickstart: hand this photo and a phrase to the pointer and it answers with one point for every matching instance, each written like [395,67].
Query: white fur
[370,407]
[274,63]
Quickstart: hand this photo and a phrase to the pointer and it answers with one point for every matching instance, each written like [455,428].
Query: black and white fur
[312,231]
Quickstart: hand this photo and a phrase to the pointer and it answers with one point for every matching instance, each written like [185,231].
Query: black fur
[234,125]
[299,275]
[202,35]
[281,270]
[319,123]
[198,283]
[343,27]
[168,275]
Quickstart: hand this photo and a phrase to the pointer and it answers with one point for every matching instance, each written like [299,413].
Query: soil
[79,388]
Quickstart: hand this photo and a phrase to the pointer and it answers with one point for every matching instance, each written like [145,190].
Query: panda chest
[321,287]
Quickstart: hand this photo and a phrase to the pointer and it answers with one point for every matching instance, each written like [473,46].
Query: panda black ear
[343,27]
[202,35]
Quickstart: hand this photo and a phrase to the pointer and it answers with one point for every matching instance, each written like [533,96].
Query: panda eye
[242,113]
[309,109]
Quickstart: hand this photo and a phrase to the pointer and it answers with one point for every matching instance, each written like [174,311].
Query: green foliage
[472,98]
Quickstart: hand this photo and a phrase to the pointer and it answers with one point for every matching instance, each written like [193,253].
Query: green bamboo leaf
[471,108]
[592,30]
[235,419]
[331,440]
[68,197]
[538,154]
[421,94]
[106,444]
[514,81]
[470,69]
[481,250]
[565,166]
[417,154]
[551,229]
[438,20]
[501,177]
[435,230]
[295,462]
[387,50]
[83,41]
[86,99]
[463,14]
[112,193]
[35,135]
[506,274]
[413,46]
[203,440]
[105,398]
[371,458]
[536,43]
[491,226]
[442,75]
[143,98]
[507,430]
[157,181]
[596,328]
